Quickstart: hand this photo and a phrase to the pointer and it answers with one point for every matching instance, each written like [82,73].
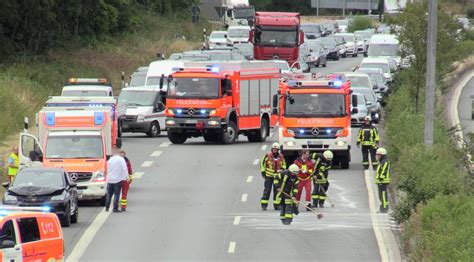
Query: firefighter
[270,164]
[126,184]
[287,181]
[13,164]
[382,178]
[369,139]
[320,178]
[304,176]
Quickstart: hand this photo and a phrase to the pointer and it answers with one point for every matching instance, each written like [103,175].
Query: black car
[312,31]
[50,188]
[332,47]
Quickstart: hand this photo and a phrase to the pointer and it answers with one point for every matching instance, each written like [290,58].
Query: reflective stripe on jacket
[383,172]
[271,165]
[368,136]
[306,167]
[13,167]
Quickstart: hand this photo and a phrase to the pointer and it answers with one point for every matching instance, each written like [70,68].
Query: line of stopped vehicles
[244,81]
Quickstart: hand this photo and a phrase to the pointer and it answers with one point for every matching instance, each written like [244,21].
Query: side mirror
[301,35]
[369,103]
[354,110]
[119,142]
[8,244]
[251,37]
[355,102]
[275,101]
[6,184]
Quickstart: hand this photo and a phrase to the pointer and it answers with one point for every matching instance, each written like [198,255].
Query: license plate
[79,193]
[191,121]
[317,142]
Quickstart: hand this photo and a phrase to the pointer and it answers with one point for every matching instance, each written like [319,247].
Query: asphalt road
[200,202]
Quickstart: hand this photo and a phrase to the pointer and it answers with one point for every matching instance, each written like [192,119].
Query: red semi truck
[277,35]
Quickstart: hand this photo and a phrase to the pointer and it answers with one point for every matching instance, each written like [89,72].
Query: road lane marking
[244,197]
[271,134]
[147,163]
[138,175]
[237,220]
[264,147]
[156,153]
[256,161]
[249,179]
[165,144]
[231,247]
[88,236]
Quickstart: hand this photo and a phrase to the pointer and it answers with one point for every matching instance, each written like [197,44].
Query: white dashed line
[231,247]
[237,220]
[165,144]
[271,134]
[147,164]
[156,153]
[264,147]
[138,175]
[255,162]
[249,179]
[244,197]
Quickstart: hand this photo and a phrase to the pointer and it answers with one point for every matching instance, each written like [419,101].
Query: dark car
[50,188]
[332,47]
[329,28]
[312,31]
[317,54]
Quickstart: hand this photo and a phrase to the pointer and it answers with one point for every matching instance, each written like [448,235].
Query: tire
[262,133]
[176,138]
[345,162]
[154,130]
[230,135]
[252,137]
[355,54]
[317,65]
[344,55]
[325,64]
[66,219]
[211,137]
[365,54]
[337,58]
[75,216]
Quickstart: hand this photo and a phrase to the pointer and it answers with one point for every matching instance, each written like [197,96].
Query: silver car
[218,39]
[360,112]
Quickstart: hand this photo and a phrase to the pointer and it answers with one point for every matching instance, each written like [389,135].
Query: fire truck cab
[220,100]
[315,115]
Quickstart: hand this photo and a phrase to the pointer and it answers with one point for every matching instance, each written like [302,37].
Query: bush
[359,23]
[442,230]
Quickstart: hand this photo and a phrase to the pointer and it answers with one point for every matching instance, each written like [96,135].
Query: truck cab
[315,115]
[240,14]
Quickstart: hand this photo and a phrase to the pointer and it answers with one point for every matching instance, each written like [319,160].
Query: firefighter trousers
[383,196]
[123,200]
[306,184]
[366,150]
[319,193]
[286,211]
[267,189]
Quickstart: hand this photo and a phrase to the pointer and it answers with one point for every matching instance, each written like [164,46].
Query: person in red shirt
[126,184]
[306,166]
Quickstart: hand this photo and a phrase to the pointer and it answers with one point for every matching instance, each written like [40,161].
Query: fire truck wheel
[262,133]
[154,130]
[231,133]
[176,138]
[345,162]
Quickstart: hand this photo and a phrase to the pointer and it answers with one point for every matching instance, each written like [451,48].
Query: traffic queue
[218,95]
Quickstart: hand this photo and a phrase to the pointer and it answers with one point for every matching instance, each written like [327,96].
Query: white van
[237,35]
[161,68]
[381,63]
[385,46]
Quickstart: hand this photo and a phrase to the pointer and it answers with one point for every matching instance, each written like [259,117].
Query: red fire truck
[277,35]
[220,100]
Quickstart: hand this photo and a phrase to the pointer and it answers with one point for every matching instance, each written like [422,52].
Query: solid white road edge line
[244,197]
[147,164]
[138,175]
[231,247]
[264,147]
[88,236]
[237,220]
[156,153]
[256,161]
[388,247]
[249,179]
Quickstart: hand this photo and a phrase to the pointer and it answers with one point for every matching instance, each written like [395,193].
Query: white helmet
[294,169]
[367,118]
[276,146]
[381,151]
[328,155]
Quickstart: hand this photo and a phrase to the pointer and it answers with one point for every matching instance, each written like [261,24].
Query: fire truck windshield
[276,36]
[194,88]
[74,147]
[315,105]
[244,12]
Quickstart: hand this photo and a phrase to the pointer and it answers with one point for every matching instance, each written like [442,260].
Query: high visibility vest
[271,165]
[13,170]
[383,172]
[321,171]
[307,166]
[368,136]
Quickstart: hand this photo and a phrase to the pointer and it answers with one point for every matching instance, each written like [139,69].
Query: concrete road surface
[200,202]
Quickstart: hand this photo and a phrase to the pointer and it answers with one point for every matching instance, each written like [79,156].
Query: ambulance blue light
[328,131]
[337,83]
[98,118]
[215,69]
[45,208]
[50,119]
[301,131]
[203,111]
[179,111]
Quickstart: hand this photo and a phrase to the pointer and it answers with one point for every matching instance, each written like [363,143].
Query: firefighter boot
[286,221]
[295,210]
[308,206]
[264,207]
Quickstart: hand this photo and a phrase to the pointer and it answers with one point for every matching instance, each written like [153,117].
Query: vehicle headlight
[170,122]
[9,198]
[99,176]
[59,197]
[340,143]
[213,123]
[290,143]
[212,112]
[141,118]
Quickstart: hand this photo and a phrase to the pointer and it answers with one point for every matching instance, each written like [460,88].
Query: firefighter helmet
[381,151]
[328,155]
[367,118]
[294,169]
[276,146]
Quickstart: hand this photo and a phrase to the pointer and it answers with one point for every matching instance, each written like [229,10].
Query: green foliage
[360,23]
[470,13]
[443,230]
